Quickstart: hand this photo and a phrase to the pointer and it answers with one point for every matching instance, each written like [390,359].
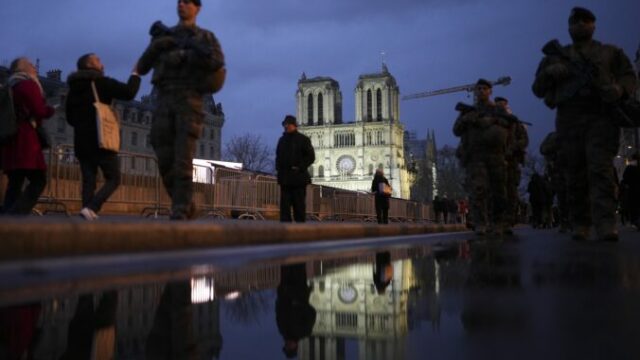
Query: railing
[219,193]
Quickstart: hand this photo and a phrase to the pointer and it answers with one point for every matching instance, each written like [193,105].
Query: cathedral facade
[348,153]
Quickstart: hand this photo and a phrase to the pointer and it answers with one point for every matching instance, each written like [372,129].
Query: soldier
[484,131]
[583,81]
[188,63]
[516,150]
[556,165]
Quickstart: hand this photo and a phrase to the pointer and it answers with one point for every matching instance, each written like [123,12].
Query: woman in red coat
[22,157]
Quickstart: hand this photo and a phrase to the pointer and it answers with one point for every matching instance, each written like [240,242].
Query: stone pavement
[56,236]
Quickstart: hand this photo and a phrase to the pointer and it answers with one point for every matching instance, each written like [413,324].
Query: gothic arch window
[320,109]
[369,105]
[310,109]
[379,105]
[370,169]
[321,171]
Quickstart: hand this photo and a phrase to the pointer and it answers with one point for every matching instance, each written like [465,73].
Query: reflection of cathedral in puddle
[349,308]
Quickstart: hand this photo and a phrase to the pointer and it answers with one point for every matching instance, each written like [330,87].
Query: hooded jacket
[81,114]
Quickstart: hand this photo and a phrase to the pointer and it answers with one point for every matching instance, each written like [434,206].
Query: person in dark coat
[294,315]
[294,155]
[382,272]
[81,114]
[630,187]
[381,199]
[22,156]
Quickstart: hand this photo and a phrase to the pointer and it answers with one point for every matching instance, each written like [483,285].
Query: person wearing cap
[583,81]
[516,152]
[294,155]
[483,133]
[188,64]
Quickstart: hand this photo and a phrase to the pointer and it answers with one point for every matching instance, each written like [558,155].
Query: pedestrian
[516,153]
[22,156]
[631,189]
[483,129]
[188,64]
[81,115]
[583,81]
[382,190]
[294,155]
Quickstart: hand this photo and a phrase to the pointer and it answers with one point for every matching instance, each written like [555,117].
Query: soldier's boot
[607,232]
[580,233]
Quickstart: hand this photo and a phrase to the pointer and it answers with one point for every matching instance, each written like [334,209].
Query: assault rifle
[464,108]
[625,113]
[158,29]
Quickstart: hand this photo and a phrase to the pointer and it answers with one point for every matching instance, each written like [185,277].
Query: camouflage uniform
[516,150]
[556,165]
[484,134]
[183,74]
[588,136]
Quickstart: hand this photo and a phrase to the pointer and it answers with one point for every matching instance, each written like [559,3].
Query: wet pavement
[536,295]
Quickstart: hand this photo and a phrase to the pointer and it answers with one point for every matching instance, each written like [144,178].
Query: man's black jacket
[81,114]
[294,155]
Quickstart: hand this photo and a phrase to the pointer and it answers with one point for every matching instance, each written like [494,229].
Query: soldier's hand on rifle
[611,93]
[557,71]
[163,43]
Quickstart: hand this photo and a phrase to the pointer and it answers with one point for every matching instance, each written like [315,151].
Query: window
[321,171]
[310,110]
[61,125]
[320,110]
[211,152]
[201,150]
[379,105]
[369,113]
[370,169]
[134,139]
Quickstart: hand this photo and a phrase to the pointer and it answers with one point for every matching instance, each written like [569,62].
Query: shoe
[610,237]
[580,234]
[88,214]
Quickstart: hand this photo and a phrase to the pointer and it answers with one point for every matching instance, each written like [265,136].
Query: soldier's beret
[500,98]
[289,119]
[580,13]
[484,82]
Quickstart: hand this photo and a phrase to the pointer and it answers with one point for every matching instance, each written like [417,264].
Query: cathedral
[348,153]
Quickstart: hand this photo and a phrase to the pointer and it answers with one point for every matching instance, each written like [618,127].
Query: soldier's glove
[557,71]
[611,93]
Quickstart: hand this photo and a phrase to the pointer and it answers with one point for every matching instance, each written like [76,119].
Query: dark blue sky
[429,44]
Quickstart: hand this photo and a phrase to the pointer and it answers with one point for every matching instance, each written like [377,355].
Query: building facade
[348,153]
[136,119]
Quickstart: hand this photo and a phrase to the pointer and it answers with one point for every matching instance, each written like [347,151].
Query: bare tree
[251,151]
[450,181]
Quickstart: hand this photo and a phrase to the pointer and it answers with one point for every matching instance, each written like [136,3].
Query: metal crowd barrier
[218,193]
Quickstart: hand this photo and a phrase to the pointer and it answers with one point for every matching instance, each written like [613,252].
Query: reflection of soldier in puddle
[172,334]
[294,315]
[92,330]
[383,272]
[493,298]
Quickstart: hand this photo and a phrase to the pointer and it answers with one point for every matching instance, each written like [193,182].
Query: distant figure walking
[22,156]
[378,186]
[81,115]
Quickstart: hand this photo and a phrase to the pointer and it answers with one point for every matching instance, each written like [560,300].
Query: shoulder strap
[95,92]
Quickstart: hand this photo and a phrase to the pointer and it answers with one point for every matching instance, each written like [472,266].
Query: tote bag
[107,123]
[384,189]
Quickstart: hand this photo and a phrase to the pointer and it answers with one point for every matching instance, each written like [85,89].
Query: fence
[219,193]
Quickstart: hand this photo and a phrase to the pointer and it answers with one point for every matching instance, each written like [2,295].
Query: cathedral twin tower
[347,153]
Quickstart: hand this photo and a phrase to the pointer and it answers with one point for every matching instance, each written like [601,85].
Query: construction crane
[504,80]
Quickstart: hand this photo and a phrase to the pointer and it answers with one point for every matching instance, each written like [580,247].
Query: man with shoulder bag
[87,86]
